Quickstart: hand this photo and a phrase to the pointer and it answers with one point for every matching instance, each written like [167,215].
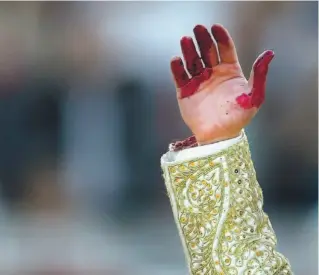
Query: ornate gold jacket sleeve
[217,204]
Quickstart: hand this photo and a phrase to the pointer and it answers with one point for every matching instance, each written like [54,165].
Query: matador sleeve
[218,208]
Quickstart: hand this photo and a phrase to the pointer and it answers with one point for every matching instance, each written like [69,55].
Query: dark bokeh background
[88,107]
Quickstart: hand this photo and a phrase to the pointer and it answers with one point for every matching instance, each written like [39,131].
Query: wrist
[202,142]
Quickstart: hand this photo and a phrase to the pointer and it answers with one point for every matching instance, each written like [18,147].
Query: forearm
[217,205]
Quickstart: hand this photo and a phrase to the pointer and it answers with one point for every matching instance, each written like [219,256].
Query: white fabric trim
[200,151]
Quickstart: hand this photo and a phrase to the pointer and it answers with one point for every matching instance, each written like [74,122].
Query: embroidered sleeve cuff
[198,151]
[217,205]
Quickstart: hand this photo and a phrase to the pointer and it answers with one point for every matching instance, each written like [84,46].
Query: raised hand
[215,99]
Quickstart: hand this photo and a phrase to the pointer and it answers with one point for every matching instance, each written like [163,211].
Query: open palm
[215,99]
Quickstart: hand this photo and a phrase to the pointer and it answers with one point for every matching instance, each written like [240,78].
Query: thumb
[257,82]
[258,76]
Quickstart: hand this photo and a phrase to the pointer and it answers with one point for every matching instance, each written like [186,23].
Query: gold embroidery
[219,210]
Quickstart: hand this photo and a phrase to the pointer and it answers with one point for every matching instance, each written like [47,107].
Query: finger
[259,76]
[179,73]
[257,82]
[225,44]
[207,46]
[194,64]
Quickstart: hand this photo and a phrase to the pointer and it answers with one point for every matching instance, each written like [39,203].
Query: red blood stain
[193,62]
[220,34]
[192,86]
[257,95]
[194,66]
[244,101]
[179,72]
[184,144]
[205,43]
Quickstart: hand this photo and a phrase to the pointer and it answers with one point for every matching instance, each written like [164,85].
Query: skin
[216,101]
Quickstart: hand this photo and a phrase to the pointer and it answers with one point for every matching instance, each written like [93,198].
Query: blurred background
[88,107]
